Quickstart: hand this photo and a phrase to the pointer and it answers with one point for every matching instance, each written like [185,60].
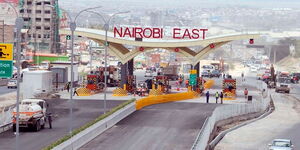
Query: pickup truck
[283,88]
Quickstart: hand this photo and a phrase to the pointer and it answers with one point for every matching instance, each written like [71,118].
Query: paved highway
[169,126]
[84,111]
[5,90]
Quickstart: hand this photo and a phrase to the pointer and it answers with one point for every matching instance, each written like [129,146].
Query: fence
[228,111]
[5,118]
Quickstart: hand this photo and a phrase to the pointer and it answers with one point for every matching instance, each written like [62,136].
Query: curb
[220,136]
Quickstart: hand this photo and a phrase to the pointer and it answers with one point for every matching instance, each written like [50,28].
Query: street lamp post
[19,23]
[106,28]
[73,28]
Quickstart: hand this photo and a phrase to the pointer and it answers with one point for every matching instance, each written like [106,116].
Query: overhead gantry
[117,45]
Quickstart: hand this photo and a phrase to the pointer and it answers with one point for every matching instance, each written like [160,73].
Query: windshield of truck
[281,144]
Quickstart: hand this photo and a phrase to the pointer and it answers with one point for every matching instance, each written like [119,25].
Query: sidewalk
[257,135]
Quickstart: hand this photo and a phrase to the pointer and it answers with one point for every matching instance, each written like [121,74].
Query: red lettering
[203,37]
[116,31]
[137,32]
[161,32]
[186,33]
[195,33]
[145,35]
[156,33]
[127,32]
[176,33]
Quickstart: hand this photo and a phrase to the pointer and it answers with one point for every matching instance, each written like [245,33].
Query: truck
[283,88]
[171,72]
[32,114]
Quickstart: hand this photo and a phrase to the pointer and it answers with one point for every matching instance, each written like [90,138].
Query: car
[12,84]
[205,74]
[281,144]
[282,88]
[253,69]
[149,73]
[215,73]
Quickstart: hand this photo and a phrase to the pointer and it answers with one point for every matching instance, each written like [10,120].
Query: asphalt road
[5,90]
[169,126]
[84,111]
[294,132]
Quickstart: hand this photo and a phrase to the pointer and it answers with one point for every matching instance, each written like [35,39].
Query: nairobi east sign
[157,33]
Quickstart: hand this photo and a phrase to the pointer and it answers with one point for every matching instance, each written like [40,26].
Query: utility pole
[3,28]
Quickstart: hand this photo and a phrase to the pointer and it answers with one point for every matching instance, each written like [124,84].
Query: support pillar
[130,67]
[123,75]
[197,67]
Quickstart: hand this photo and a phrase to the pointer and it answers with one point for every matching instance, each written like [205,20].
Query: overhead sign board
[6,60]
[6,69]
[6,51]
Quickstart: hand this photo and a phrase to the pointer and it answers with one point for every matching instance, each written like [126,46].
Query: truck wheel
[37,126]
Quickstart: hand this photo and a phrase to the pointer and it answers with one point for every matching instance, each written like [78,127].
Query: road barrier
[226,112]
[6,119]
[86,135]
[209,83]
[151,100]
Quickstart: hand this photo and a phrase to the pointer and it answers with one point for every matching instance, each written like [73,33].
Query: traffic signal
[68,37]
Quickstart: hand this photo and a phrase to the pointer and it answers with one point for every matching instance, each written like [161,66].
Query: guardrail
[6,119]
[226,112]
[96,129]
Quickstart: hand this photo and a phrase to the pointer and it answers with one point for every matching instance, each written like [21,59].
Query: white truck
[32,114]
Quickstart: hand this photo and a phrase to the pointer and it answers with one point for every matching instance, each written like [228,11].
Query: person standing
[246,93]
[221,96]
[68,86]
[217,97]
[75,92]
[243,77]
[50,120]
[207,97]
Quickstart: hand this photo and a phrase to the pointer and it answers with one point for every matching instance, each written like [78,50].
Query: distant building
[41,18]
[7,22]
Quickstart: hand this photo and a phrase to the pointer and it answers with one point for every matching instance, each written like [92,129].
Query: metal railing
[228,111]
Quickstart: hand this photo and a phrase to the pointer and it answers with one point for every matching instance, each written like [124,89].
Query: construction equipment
[162,83]
[32,114]
[131,84]
[229,89]
[95,80]
[171,72]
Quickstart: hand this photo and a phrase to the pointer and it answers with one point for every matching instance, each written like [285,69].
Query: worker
[246,93]
[187,82]
[217,97]
[49,116]
[221,96]
[68,86]
[75,92]
[207,97]
[243,77]
[180,80]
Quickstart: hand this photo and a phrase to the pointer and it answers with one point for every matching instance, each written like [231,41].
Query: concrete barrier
[90,133]
[151,100]
[6,119]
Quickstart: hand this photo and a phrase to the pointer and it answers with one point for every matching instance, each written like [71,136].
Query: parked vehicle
[215,73]
[205,74]
[148,73]
[282,88]
[32,114]
[281,144]
[12,84]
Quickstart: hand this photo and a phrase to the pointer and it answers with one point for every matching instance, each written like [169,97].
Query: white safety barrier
[90,133]
[226,112]
[5,119]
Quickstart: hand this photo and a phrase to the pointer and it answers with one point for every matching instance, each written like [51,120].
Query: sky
[188,3]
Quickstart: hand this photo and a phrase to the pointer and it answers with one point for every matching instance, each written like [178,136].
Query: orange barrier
[208,84]
[164,99]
